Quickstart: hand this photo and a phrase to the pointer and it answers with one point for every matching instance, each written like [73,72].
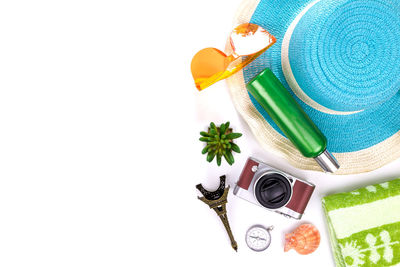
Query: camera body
[273,189]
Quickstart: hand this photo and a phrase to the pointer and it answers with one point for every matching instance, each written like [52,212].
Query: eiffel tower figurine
[217,201]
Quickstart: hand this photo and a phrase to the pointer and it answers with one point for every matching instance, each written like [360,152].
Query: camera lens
[273,190]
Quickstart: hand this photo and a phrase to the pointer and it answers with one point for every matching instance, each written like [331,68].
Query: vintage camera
[273,189]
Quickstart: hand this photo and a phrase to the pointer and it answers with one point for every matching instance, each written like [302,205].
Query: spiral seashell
[305,239]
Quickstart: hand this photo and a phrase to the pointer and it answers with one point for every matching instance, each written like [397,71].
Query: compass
[258,237]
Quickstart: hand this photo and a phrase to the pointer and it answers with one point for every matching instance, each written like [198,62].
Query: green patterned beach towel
[364,225]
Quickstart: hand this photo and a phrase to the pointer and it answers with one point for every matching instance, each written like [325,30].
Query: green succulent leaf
[227,125]
[222,129]
[227,158]
[230,157]
[219,157]
[205,150]
[233,136]
[213,127]
[210,156]
[205,134]
[235,147]
[205,139]
[213,132]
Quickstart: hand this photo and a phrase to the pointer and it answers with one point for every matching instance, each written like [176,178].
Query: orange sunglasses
[246,42]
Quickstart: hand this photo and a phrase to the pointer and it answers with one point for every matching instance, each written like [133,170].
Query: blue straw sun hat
[341,61]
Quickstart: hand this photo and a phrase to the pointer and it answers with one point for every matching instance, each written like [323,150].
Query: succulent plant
[220,143]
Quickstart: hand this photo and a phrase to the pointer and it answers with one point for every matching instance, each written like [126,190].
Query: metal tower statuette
[217,201]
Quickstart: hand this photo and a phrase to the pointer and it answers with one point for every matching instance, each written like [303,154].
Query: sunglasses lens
[207,65]
[247,39]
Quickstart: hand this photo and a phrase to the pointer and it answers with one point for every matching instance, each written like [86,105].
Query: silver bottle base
[327,162]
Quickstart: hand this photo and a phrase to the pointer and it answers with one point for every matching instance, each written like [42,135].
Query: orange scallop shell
[305,239]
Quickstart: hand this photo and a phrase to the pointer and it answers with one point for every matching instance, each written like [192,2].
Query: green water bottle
[270,93]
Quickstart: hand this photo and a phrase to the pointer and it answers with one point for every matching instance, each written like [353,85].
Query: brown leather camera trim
[301,195]
[247,174]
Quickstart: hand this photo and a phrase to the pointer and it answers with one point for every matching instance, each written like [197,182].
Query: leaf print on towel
[377,248]
[352,254]
[371,240]
[388,252]
[384,185]
[371,188]
[387,245]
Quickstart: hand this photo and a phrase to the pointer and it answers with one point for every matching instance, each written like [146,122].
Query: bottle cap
[327,162]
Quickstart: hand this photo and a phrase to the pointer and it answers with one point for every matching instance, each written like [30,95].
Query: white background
[99,150]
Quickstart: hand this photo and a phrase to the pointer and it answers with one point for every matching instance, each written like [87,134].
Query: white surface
[99,155]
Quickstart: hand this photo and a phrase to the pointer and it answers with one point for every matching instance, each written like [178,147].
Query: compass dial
[258,238]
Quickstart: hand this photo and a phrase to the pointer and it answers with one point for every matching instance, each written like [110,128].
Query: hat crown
[345,55]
